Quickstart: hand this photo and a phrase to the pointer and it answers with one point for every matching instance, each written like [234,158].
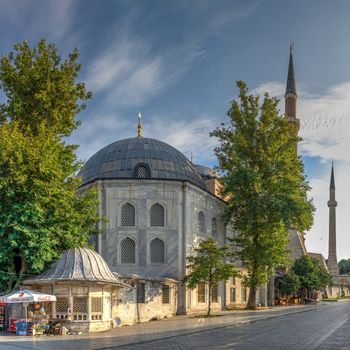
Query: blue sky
[177,63]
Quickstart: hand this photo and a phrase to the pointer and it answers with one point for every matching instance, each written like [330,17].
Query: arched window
[214,230]
[128,215]
[157,251]
[157,215]
[127,251]
[142,170]
[201,222]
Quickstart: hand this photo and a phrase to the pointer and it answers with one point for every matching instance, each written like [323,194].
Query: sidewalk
[170,326]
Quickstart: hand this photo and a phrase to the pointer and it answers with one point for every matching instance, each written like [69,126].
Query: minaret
[332,247]
[290,96]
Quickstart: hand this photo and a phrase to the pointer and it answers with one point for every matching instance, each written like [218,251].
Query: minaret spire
[332,247]
[139,127]
[332,184]
[290,96]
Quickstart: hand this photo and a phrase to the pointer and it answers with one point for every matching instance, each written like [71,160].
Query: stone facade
[183,205]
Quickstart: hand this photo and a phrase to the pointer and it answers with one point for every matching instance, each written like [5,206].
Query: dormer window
[142,171]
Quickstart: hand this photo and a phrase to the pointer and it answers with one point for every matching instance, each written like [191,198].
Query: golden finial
[139,127]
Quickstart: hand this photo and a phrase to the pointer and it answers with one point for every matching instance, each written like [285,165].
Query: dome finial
[139,127]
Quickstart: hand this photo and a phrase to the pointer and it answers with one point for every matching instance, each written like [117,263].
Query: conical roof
[78,264]
[332,184]
[291,88]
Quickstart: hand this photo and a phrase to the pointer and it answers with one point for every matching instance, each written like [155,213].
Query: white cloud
[190,136]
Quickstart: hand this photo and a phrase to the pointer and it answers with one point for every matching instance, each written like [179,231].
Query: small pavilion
[85,289]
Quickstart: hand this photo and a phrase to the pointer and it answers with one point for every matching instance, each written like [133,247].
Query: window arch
[128,215]
[157,251]
[201,222]
[214,229]
[142,170]
[127,251]
[157,215]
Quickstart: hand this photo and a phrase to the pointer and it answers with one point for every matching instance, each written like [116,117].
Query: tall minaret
[332,247]
[290,96]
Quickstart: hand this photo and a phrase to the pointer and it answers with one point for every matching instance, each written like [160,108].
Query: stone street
[324,326]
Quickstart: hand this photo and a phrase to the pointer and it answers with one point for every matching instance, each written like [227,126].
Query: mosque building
[158,206]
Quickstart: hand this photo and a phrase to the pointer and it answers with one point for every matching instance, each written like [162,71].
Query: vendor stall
[36,320]
[2,316]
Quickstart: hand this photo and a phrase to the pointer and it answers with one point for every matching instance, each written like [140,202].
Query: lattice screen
[96,304]
[157,251]
[80,305]
[165,294]
[214,231]
[142,172]
[128,215]
[127,251]
[201,222]
[201,292]
[62,305]
[157,215]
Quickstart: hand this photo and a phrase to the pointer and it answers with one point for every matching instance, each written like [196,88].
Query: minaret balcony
[332,203]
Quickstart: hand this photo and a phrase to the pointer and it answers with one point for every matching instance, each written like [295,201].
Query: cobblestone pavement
[324,326]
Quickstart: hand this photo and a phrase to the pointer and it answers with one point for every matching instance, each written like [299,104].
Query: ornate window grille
[140,292]
[96,308]
[201,222]
[128,215]
[142,172]
[80,308]
[232,295]
[201,292]
[165,294]
[157,251]
[62,305]
[214,293]
[214,231]
[157,215]
[127,251]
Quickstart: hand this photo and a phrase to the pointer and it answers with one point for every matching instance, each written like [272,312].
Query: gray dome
[78,264]
[121,160]
[206,172]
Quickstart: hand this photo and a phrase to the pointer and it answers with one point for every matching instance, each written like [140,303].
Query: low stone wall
[126,310]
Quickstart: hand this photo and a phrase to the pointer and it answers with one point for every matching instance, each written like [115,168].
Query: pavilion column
[53,304]
[70,301]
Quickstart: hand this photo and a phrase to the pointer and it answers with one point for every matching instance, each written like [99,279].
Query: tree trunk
[209,301]
[251,305]
[20,274]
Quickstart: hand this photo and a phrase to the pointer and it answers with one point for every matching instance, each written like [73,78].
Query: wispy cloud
[132,69]
[49,19]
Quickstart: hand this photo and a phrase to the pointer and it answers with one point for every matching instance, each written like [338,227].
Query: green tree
[312,275]
[41,213]
[344,266]
[208,265]
[263,177]
[289,283]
